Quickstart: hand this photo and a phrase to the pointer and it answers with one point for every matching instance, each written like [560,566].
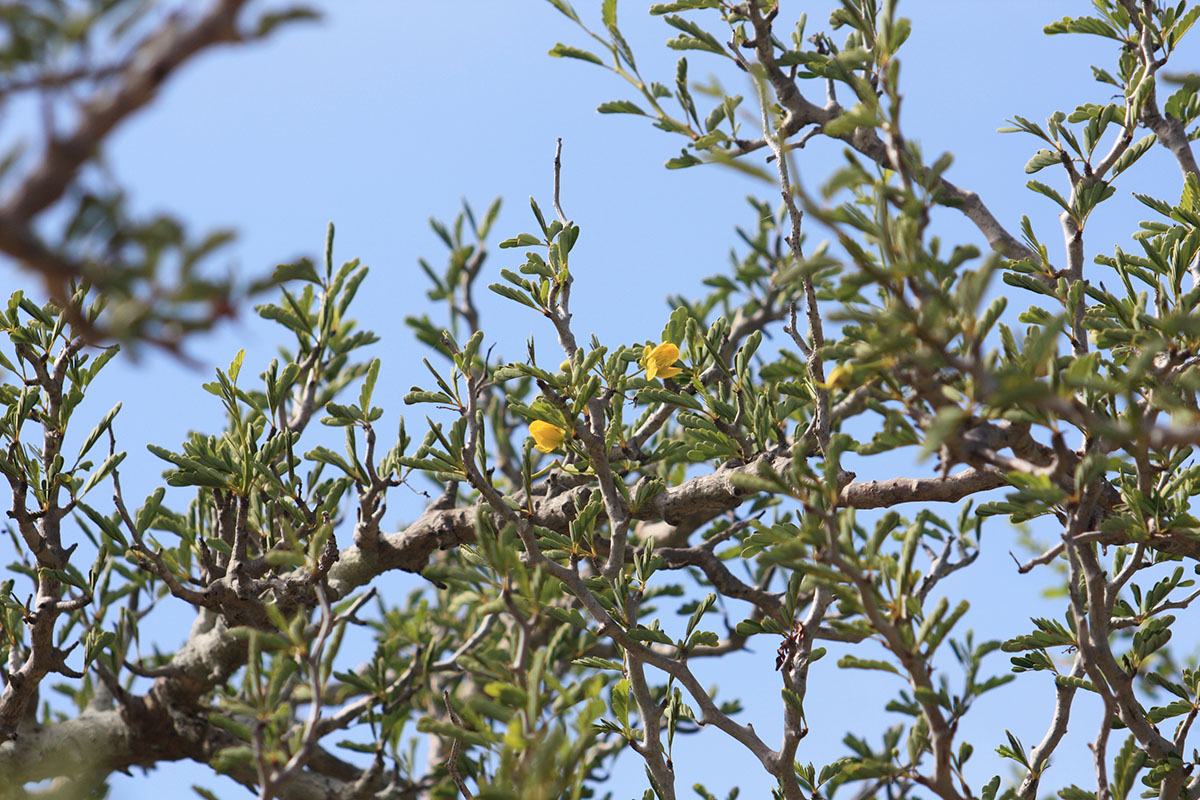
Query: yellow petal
[837,376]
[669,372]
[659,361]
[546,437]
[666,352]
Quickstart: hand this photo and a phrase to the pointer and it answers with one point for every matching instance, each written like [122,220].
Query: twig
[1064,694]
[451,662]
[941,566]
[801,113]
[1099,750]
[940,730]
[1171,132]
[277,779]
[557,172]
[795,679]
[815,330]
[1045,558]
[455,749]
[650,748]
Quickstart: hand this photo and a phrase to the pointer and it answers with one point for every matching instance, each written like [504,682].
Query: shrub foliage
[607,516]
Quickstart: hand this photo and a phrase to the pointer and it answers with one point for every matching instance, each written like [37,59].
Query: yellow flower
[547,437]
[839,375]
[658,361]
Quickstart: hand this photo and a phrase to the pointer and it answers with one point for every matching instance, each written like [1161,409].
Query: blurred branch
[115,92]
[153,60]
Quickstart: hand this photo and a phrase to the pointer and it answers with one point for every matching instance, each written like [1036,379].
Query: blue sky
[386,113]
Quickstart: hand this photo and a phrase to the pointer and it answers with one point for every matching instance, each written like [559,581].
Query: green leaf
[858,116]
[1092,25]
[571,616]
[148,513]
[1043,189]
[1075,683]
[326,456]
[301,270]
[596,662]
[1028,282]
[565,8]
[1172,709]
[944,425]
[701,608]
[1160,206]
[521,240]
[1183,25]
[368,387]
[699,39]
[1126,767]
[640,633]
[1170,686]
[285,317]
[67,576]
[653,394]
[685,159]
[608,12]
[36,312]
[620,107]
[285,558]
[235,366]
[1134,152]
[853,662]
[220,545]
[230,758]
[1041,159]
[748,627]
[106,468]
[512,294]
[98,431]
[658,9]
[106,525]
[561,50]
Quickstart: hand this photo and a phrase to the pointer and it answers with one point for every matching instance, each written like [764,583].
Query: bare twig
[455,749]
[557,173]
[1045,558]
[1064,694]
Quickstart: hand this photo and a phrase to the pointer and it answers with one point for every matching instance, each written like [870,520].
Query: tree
[706,472]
